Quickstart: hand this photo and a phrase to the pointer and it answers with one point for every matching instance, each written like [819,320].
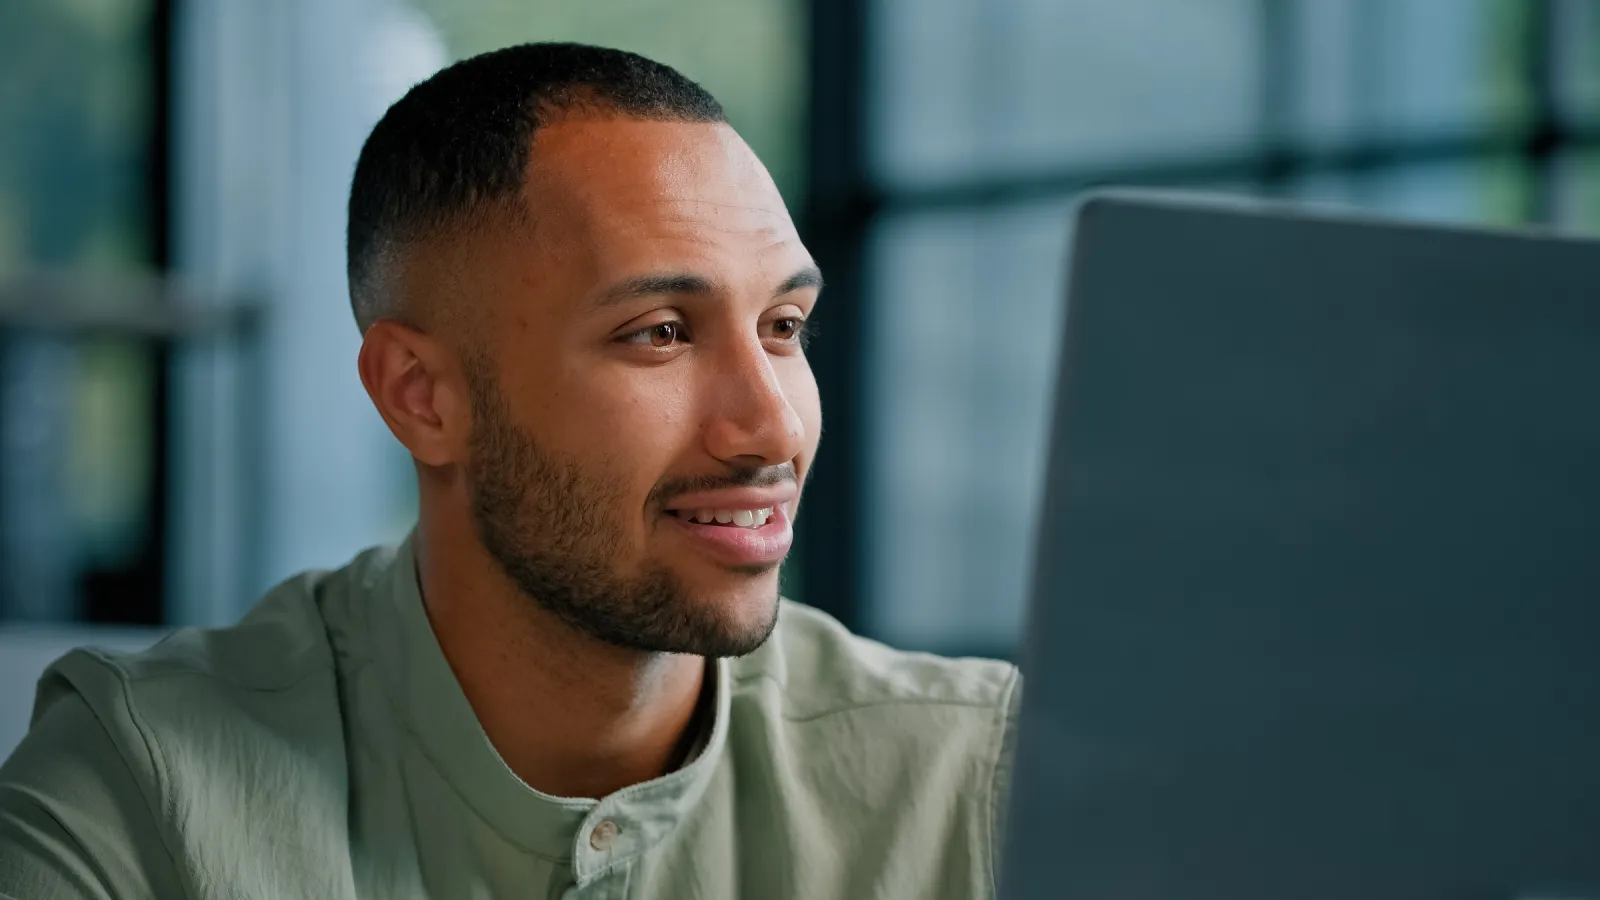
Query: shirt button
[603,835]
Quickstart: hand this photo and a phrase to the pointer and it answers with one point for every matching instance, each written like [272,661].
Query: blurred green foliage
[75,118]
[750,53]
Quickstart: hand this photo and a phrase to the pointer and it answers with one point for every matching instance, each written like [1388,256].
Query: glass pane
[1440,65]
[38,556]
[1323,189]
[75,111]
[749,53]
[76,454]
[965,325]
[1579,196]
[77,435]
[109,461]
[1325,106]
[1493,190]
[1397,68]
[963,88]
[1578,59]
[1497,191]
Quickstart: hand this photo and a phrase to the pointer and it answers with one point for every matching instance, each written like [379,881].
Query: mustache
[765,476]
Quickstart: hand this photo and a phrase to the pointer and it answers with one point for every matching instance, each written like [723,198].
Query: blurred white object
[276,101]
[25,652]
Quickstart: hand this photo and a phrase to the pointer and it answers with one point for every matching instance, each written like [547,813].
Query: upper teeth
[743,518]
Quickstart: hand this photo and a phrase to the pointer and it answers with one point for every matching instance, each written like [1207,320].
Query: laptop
[1316,611]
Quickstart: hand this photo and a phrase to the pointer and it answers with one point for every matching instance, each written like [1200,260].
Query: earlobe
[403,371]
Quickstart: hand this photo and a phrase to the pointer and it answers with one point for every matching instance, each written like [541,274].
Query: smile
[737,518]
[735,536]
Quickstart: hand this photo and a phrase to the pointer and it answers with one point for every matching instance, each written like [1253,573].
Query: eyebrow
[687,284]
[809,277]
[652,285]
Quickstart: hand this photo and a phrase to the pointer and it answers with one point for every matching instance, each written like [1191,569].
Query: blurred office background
[180,421]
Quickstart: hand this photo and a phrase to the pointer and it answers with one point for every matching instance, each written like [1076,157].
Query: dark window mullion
[134,593]
[1281,67]
[839,209]
[1366,74]
[1545,139]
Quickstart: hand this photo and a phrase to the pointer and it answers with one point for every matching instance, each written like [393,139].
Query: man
[584,310]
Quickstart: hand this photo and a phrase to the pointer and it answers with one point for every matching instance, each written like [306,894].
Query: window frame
[845,200]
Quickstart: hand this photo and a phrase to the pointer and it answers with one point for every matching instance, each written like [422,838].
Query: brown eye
[793,330]
[664,335]
[672,334]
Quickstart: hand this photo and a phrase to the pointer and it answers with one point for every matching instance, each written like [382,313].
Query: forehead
[612,193]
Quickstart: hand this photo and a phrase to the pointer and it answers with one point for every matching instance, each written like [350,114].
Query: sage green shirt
[323,749]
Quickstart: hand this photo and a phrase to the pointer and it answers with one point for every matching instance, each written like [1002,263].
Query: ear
[419,390]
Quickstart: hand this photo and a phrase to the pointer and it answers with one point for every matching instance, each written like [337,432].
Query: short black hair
[457,145]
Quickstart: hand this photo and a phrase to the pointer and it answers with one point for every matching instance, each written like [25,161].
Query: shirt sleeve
[75,822]
[1004,765]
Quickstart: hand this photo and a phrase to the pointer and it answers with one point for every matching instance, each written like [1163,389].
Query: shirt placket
[604,847]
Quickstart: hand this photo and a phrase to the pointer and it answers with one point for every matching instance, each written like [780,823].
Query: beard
[544,520]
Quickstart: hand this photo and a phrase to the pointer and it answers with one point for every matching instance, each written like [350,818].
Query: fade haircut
[455,148]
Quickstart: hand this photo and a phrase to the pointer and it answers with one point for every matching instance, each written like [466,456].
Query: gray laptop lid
[1317,604]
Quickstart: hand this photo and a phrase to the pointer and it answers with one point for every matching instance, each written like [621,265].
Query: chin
[752,594]
[747,601]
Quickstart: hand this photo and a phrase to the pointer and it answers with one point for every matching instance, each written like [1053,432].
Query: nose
[751,423]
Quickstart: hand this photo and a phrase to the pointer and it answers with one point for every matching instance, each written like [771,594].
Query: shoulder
[819,668]
[200,690]
[204,699]
[142,761]
[906,753]
[827,694]
[161,763]
[76,815]
[282,641]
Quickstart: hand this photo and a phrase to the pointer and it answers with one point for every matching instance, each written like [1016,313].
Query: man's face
[643,411]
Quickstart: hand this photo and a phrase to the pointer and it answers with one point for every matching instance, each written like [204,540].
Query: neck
[572,716]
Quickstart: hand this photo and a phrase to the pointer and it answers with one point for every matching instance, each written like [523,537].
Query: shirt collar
[441,721]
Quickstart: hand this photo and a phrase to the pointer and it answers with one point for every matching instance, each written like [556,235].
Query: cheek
[639,425]
[622,410]
[800,386]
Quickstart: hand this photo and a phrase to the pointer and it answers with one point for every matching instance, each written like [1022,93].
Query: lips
[732,543]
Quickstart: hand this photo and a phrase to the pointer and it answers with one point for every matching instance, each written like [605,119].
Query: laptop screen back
[1317,603]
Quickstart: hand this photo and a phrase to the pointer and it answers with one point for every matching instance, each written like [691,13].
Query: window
[746,52]
[984,119]
[81,501]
